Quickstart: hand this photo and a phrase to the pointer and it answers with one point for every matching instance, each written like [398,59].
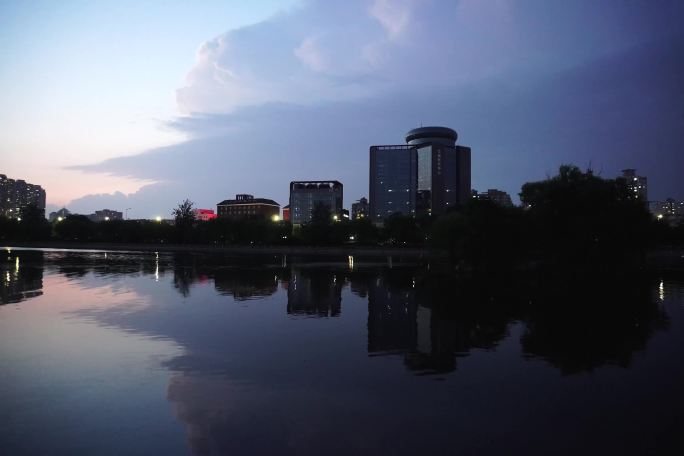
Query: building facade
[637,185]
[17,195]
[427,176]
[497,196]
[247,207]
[286,213]
[360,209]
[670,210]
[204,215]
[59,215]
[304,195]
[106,215]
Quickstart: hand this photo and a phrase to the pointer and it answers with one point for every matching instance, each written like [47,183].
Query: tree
[318,230]
[75,228]
[184,213]
[576,216]
[402,229]
[185,219]
[33,225]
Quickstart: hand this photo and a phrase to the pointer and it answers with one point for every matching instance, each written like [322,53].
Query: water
[143,353]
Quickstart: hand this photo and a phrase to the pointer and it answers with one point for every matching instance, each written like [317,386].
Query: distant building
[427,176]
[247,207]
[16,195]
[204,215]
[360,209]
[286,213]
[304,195]
[105,215]
[669,210]
[497,196]
[59,215]
[637,185]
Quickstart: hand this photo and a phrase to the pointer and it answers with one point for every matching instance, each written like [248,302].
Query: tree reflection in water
[21,275]
[258,376]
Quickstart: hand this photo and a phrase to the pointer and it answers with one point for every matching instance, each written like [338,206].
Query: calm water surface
[137,353]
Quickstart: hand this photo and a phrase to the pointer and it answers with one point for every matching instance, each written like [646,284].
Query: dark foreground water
[122,353]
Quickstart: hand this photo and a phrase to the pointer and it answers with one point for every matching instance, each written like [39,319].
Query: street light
[158,218]
[106,219]
[60,218]
[275,218]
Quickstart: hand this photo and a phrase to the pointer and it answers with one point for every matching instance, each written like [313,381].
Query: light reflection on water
[127,353]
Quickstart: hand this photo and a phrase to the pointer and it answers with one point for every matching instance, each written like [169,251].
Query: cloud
[527,85]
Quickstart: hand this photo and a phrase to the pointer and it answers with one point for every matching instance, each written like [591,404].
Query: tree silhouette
[185,218]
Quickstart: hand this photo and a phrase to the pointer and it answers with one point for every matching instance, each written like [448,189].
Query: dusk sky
[142,104]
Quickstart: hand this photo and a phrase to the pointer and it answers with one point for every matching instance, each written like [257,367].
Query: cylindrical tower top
[430,135]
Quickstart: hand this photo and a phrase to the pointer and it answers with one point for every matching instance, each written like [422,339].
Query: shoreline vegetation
[574,221]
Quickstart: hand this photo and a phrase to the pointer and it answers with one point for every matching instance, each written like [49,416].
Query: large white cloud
[328,51]
[529,85]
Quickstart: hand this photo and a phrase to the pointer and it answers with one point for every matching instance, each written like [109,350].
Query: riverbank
[368,252]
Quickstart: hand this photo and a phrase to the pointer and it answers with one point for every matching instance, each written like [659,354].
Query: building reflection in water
[315,292]
[246,283]
[409,321]
[250,379]
[22,275]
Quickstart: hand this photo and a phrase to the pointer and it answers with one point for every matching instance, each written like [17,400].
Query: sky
[142,104]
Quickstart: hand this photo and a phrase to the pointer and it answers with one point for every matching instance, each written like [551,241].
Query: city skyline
[276,92]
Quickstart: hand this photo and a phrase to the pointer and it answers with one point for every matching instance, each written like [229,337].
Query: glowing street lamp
[59,219]
[158,219]
[106,219]
[335,217]
[275,218]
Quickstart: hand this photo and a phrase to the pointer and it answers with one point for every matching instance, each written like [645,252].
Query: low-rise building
[59,215]
[105,215]
[360,209]
[496,196]
[669,210]
[204,215]
[247,207]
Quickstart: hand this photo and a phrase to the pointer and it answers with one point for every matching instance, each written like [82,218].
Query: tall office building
[16,195]
[637,185]
[427,176]
[304,195]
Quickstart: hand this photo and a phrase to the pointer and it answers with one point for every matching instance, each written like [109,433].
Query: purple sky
[529,85]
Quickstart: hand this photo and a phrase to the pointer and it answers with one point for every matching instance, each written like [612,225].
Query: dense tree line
[574,216]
